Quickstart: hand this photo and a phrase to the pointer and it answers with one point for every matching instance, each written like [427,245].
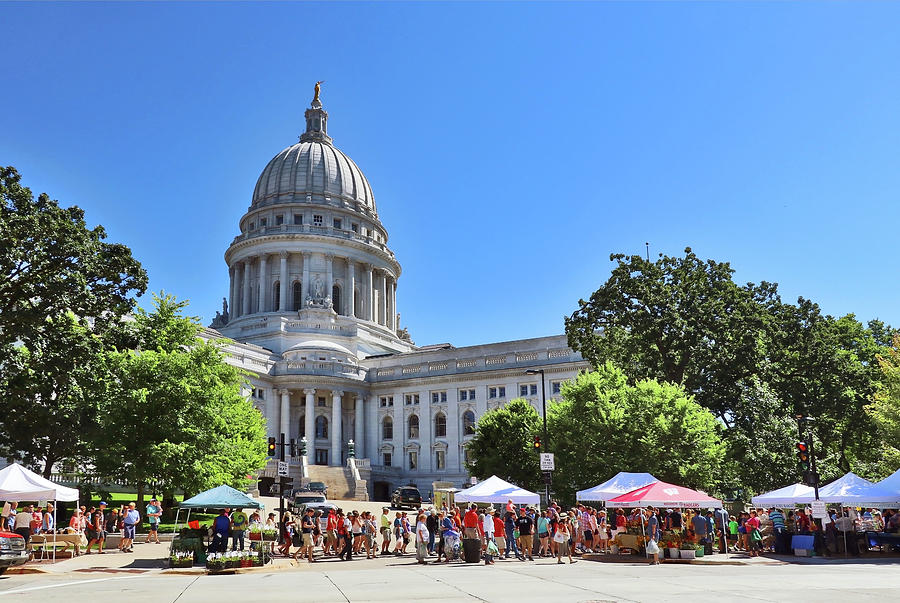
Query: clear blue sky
[511,147]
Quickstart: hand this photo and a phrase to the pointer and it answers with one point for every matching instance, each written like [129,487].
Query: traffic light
[293,446]
[537,442]
[303,446]
[803,455]
[271,446]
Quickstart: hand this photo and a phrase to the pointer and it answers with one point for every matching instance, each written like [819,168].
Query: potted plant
[255,532]
[671,549]
[687,550]
[270,534]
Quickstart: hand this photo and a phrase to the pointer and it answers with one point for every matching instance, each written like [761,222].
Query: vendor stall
[18,483]
[782,496]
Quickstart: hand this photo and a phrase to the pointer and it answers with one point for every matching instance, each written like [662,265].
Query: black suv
[407,496]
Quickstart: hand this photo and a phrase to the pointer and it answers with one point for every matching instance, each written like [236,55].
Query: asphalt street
[394,579]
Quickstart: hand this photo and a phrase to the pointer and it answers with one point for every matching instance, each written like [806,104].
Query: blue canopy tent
[621,483]
[220,497]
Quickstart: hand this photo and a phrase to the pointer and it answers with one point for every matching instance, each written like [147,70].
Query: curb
[26,570]
[202,571]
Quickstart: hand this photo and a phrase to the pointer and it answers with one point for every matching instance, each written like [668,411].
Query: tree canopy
[603,425]
[503,444]
[753,360]
[61,287]
[174,414]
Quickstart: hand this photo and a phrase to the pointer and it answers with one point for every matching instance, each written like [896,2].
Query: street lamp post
[544,412]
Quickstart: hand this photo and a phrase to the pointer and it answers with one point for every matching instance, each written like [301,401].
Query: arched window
[468,423]
[302,425]
[321,427]
[387,429]
[357,304]
[413,427]
[298,296]
[276,295]
[440,425]
[336,299]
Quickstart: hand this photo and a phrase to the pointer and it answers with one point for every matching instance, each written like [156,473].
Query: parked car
[12,550]
[301,508]
[317,487]
[305,497]
[407,496]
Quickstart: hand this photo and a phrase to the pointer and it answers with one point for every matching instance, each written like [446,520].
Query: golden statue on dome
[318,89]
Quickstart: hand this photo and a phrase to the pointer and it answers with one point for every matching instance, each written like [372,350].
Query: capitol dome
[312,168]
[314,171]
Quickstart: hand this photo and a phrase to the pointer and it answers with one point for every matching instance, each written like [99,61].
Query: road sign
[818,509]
[547,461]
[473,480]
[282,469]
[548,477]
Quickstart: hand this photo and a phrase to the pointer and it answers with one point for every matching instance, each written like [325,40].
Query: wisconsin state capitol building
[312,314]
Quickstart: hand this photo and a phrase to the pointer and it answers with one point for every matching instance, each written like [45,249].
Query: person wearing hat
[154,512]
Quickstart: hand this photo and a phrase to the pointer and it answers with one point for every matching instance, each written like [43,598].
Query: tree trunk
[140,498]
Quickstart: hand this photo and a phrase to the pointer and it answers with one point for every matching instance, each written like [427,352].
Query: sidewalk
[145,558]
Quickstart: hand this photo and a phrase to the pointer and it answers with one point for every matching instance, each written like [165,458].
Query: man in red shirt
[330,547]
[499,534]
[471,525]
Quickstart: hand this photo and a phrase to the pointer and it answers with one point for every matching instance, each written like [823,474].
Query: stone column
[394,305]
[245,303]
[305,293]
[454,430]
[263,283]
[368,295]
[351,286]
[426,432]
[336,428]
[285,414]
[284,287]
[310,424]
[358,427]
[231,309]
[329,275]
[384,318]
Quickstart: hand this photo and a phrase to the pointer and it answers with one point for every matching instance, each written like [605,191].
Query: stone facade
[312,314]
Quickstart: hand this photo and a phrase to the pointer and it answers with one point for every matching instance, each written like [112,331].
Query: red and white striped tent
[662,494]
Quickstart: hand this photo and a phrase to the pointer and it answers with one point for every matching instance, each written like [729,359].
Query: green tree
[503,445]
[885,409]
[603,425]
[61,286]
[52,264]
[174,415]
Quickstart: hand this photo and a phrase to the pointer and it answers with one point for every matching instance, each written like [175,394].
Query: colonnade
[375,288]
[334,441]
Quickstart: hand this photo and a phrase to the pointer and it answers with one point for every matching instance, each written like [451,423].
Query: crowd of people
[95,523]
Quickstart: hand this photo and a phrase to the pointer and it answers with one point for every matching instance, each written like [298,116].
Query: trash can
[471,550]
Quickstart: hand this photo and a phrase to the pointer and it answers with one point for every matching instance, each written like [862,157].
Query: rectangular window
[387,401]
[318,220]
[412,399]
[492,392]
[386,459]
[252,392]
[438,397]
[440,460]
[337,223]
[279,220]
[523,390]
[262,222]
[532,389]
[354,227]
[527,390]
[555,387]
[252,225]
[298,218]
[321,402]
[501,392]
[471,394]
[466,394]
[413,460]
[261,394]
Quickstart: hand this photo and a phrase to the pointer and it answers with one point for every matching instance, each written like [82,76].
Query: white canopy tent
[18,483]
[619,484]
[845,490]
[496,490]
[782,496]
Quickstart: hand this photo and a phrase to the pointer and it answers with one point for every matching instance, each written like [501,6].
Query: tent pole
[175,527]
[54,532]
[644,530]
